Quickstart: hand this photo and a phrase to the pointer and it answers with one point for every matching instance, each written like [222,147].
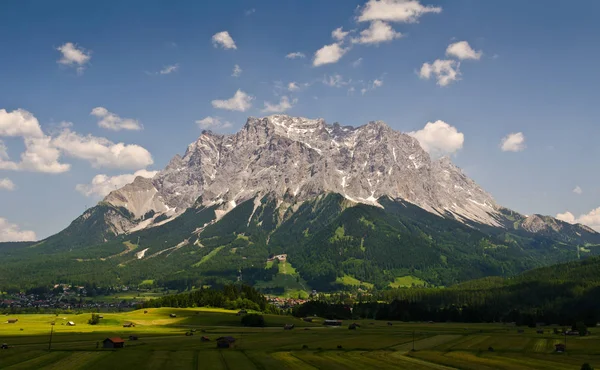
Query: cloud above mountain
[439,138]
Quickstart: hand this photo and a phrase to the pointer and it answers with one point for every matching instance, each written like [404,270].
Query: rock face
[296,159]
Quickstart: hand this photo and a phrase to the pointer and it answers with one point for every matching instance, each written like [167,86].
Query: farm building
[332,323]
[115,342]
[128,325]
[279,257]
[225,342]
[70,323]
[12,321]
[172,315]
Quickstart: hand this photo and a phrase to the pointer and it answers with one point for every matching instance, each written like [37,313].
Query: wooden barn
[114,342]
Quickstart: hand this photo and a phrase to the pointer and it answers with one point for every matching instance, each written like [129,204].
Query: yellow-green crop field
[162,344]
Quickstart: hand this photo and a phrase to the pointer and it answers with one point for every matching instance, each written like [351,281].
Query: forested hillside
[562,294]
[331,243]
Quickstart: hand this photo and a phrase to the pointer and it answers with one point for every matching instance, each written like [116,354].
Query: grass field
[162,344]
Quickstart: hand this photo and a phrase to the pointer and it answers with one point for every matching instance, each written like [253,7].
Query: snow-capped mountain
[296,159]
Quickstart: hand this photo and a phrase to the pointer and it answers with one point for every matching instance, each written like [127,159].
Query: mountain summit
[347,207]
[297,159]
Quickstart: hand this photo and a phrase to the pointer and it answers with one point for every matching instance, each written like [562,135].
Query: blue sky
[515,67]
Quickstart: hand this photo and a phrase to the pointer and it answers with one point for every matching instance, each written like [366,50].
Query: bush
[586,366]
[254,320]
[94,320]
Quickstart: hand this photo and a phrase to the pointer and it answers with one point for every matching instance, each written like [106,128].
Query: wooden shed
[115,342]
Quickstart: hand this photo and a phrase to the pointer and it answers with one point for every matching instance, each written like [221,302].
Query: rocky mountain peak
[295,159]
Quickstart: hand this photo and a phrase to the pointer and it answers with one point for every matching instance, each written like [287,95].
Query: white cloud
[445,71]
[213,123]
[514,142]
[283,105]
[12,233]
[578,190]
[338,34]
[113,122]
[377,33]
[237,71]
[462,50]
[73,56]
[439,138]
[101,152]
[223,40]
[406,11]
[7,184]
[372,86]
[19,123]
[102,185]
[591,219]
[250,12]
[295,55]
[41,155]
[169,69]
[357,62]
[329,54]
[293,86]
[239,102]
[335,81]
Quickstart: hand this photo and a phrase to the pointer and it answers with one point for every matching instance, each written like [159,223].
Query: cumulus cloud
[41,155]
[439,138]
[445,71]
[19,123]
[514,142]
[591,219]
[338,34]
[101,152]
[213,123]
[7,184]
[113,122]
[462,50]
[578,190]
[293,86]
[12,232]
[283,105]
[335,80]
[295,55]
[377,33]
[329,54]
[405,11]
[237,71]
[224,40]
[102,185]
[73,56]
[239,102]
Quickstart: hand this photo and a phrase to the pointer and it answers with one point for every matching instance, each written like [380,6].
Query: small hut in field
[114,342]
[225,342]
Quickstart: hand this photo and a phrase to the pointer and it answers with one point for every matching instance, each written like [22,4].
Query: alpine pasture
[162,343]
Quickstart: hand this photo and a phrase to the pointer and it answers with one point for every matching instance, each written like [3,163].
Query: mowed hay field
[162,344]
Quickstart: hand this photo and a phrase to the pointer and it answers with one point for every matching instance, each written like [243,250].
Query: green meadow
[162,344]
